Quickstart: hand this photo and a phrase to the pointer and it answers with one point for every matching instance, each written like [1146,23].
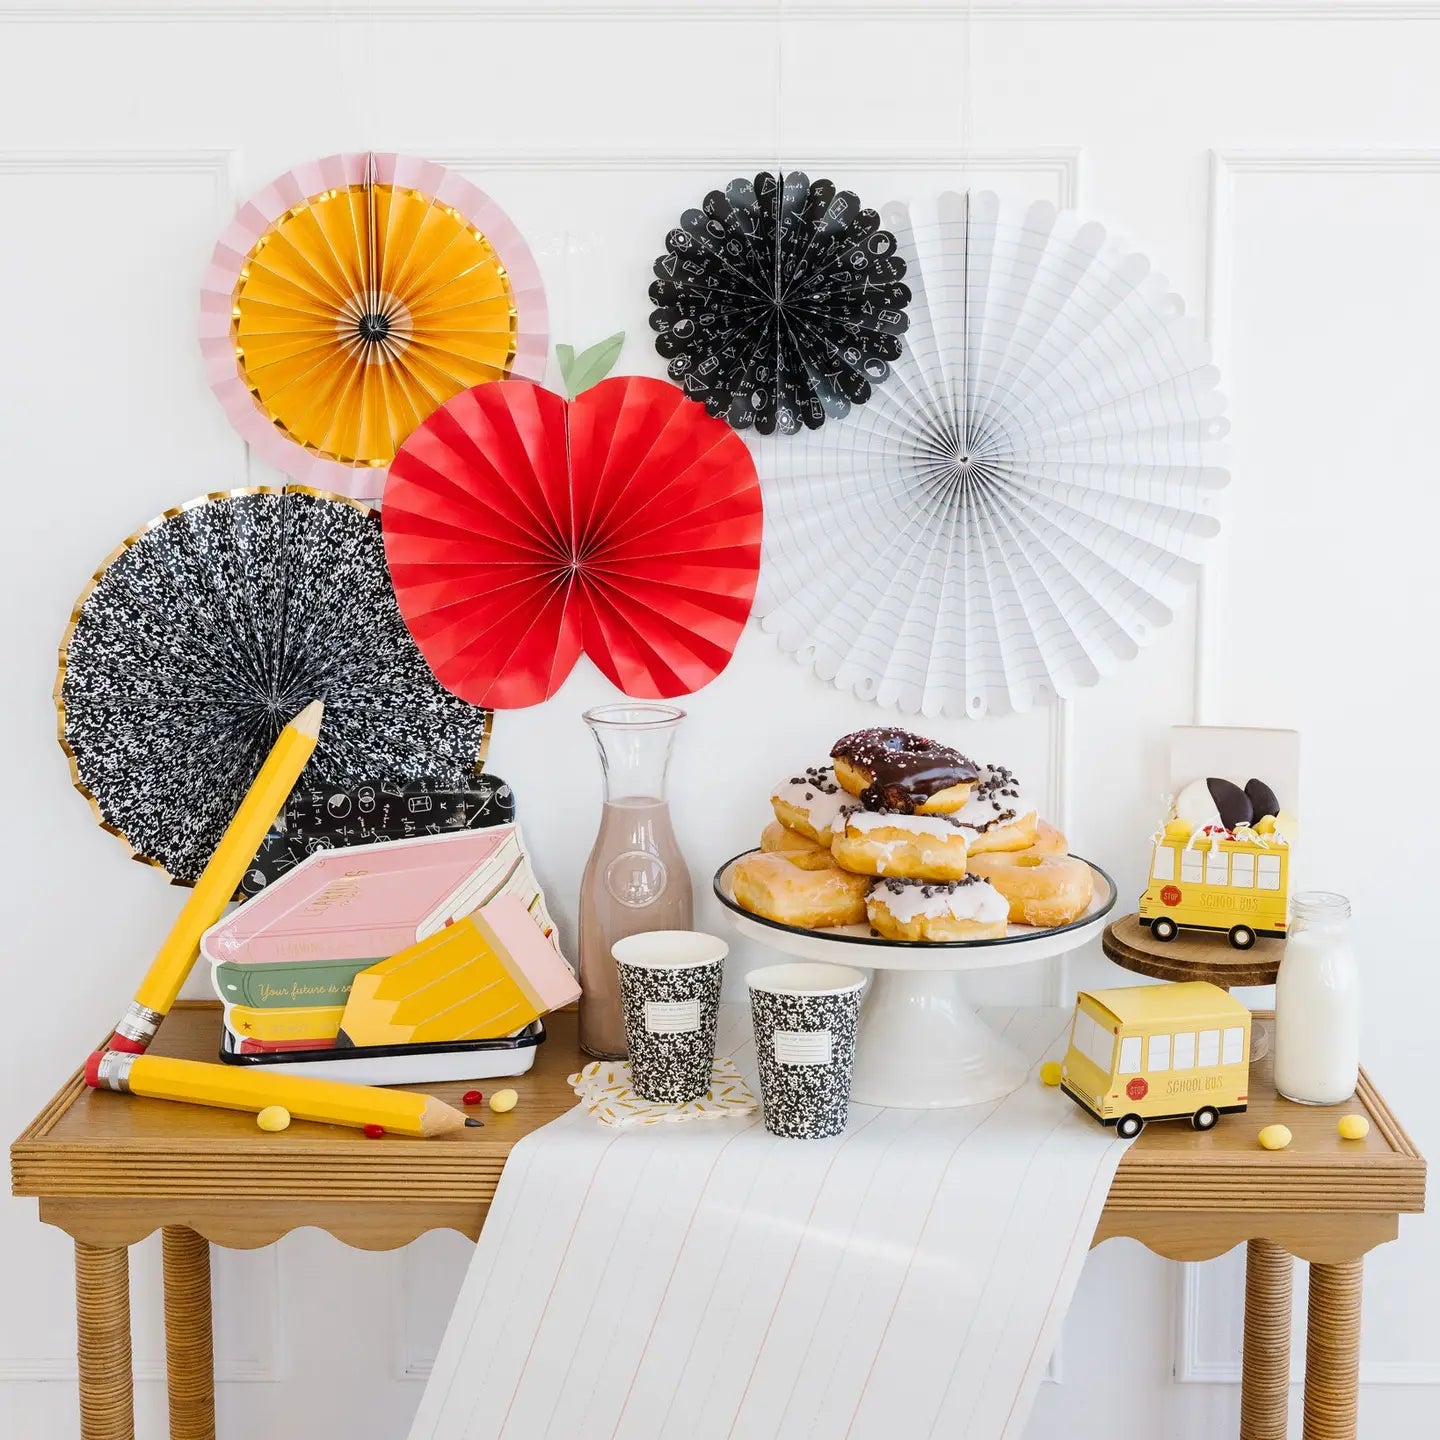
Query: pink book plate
[353,903]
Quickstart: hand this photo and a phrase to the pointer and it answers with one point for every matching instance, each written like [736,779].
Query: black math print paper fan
[209,629]
[778,304]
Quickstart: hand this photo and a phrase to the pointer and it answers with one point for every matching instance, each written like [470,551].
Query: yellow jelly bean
[1275,1137]
[1353,1127]
[503,1100]
[273,1117]
[1050,1072]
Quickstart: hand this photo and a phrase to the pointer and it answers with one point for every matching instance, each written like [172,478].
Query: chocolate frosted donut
[891,769]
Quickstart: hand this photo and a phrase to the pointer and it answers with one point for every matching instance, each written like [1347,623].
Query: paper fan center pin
[375,328]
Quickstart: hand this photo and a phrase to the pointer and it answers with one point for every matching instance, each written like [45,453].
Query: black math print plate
[779,303]
[326,817]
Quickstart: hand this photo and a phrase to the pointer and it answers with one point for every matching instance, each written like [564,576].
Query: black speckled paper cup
[670,998]
[805,1017]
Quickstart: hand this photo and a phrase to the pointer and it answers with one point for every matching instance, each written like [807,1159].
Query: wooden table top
[125,1155]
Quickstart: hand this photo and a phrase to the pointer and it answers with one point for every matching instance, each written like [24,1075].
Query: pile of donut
[912,838]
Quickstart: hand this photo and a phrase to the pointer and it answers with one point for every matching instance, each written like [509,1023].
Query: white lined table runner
[908,1277]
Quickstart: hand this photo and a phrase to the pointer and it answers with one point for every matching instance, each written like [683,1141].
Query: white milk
[1317,1004]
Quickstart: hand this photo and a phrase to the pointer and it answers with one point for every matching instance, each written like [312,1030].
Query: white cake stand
[921,1044]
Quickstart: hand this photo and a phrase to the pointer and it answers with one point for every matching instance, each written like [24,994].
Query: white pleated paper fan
[1025,503]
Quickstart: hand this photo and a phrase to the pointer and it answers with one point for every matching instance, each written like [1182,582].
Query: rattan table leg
[102,1342]
[1265,1377]
[189,1346]
[1332,1352]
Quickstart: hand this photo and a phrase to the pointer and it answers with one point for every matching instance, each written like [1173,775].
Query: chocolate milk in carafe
[635,879]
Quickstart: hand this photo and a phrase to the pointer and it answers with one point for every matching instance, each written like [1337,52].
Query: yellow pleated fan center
[361,311]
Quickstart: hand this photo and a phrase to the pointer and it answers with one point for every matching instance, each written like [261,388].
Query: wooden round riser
[1191,955]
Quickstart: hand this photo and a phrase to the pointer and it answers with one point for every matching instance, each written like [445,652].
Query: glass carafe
[635,879]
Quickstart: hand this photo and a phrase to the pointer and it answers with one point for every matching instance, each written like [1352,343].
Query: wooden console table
[110,1170]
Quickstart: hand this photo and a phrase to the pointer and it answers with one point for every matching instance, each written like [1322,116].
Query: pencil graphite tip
[307,722]
[471,1120]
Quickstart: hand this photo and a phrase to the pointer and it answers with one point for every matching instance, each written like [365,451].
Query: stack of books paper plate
[441,991]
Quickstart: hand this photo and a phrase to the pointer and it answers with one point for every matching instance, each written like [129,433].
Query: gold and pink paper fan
[353,296]
[521,531]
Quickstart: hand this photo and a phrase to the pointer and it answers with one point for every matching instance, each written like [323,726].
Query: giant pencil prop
[332,1102]
[218,882]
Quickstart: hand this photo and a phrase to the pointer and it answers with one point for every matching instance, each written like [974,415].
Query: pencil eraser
[125,1045]
[92,1069]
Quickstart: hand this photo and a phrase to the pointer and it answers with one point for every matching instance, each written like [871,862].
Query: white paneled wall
[1279,161]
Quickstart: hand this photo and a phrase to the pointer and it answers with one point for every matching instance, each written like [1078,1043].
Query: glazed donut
[771,887]
[912,847]
[1043,890]
[798,849]
[965,909]
[1048,841]
[890,769]
[809,803]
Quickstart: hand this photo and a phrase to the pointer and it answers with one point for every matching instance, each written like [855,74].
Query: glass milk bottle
[1317,1004]
[635,879]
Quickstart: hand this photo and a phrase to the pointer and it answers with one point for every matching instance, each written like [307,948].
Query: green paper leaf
[565,354]
[589,367]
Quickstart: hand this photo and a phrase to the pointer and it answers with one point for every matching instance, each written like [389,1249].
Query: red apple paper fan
[521,531]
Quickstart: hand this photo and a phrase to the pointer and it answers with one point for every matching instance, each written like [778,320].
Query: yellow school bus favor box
[1158,1052]
[1221,863]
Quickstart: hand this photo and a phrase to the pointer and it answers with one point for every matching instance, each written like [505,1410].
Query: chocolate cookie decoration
[1232,803]
[1262,799]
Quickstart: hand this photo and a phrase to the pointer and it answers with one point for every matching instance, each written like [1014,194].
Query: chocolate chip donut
[809,802]
[966,909]
[995,817]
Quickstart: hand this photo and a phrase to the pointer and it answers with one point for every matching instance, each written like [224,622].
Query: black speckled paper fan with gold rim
[204,632]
